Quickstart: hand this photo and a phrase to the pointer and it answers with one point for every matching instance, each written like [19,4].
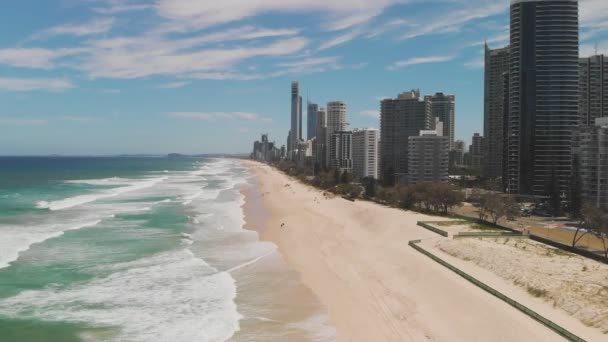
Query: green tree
[370,184]
[346,178]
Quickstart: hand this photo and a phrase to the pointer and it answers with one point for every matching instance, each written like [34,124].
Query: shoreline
[354,257]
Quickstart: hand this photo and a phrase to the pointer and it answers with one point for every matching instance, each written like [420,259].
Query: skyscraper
[336,122]
[320,150]
[476,150]
[365,153]
[593,89]
[496,69]
[428,159]
[543,94]
[593,156]
[400,119]
[296,115]
[336,116]
[443,107]
[311,120]
[341,151]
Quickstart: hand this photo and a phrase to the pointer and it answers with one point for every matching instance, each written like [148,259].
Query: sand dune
[355,258]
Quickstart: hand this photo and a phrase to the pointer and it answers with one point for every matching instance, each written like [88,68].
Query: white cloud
[121,6]
[419,60]
[96,26]
[214,116]
[339,14]
[173,85]
[448,21]
[128,62]
[31,84]
[370,113]
[78,119]
[386,27]
[587,50]
[23,122]
[111,91]
[477,63]
[339,40]
[501,39]
[36,58]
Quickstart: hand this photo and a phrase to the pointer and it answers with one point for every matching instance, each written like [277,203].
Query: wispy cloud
[79,119]
[499,39]
[23,122]
[599,48]
[215,116]
[455,20]
[370,113]
[173,85]
[166,59]
[32,84]
[419,60]
[36,58]
[96,26]
[121,6]
[338,15]
[339,40]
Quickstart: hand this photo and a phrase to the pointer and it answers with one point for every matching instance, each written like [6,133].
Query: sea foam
[168,297]
[15,240]
[84,199]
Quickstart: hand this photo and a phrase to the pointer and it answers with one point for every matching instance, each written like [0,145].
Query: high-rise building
[341,151]
[428,157]
[496,70]
[311,120]
[543,93]
[335,122]
[593,161]
[457,154]
[593,89]
[443,107]
[296,115]
[476,150]
[336,116]
[365,153]
[400,119]
[320,150]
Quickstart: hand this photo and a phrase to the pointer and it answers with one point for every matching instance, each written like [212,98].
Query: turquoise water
[139,249]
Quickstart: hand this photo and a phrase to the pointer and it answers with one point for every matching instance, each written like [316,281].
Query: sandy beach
[355,258]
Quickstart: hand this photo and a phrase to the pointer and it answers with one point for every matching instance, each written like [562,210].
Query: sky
[102,77]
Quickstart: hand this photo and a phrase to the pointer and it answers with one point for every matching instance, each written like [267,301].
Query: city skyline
[132,77]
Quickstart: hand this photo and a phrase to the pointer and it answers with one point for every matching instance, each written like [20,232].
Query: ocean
[141,249]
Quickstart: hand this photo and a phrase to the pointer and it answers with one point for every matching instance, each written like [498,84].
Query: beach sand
[354,256]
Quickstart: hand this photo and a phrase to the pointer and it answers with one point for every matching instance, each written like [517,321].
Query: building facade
[320,146]
[496,70]
[593,89]
[400,119]
[428,157]
[296,116]
[593,158]
[341,151]
[336,114]
[443,108]
[543,94]
[311,120]
[476,151]
[365,153]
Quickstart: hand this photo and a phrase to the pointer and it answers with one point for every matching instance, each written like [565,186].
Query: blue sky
[199,76]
